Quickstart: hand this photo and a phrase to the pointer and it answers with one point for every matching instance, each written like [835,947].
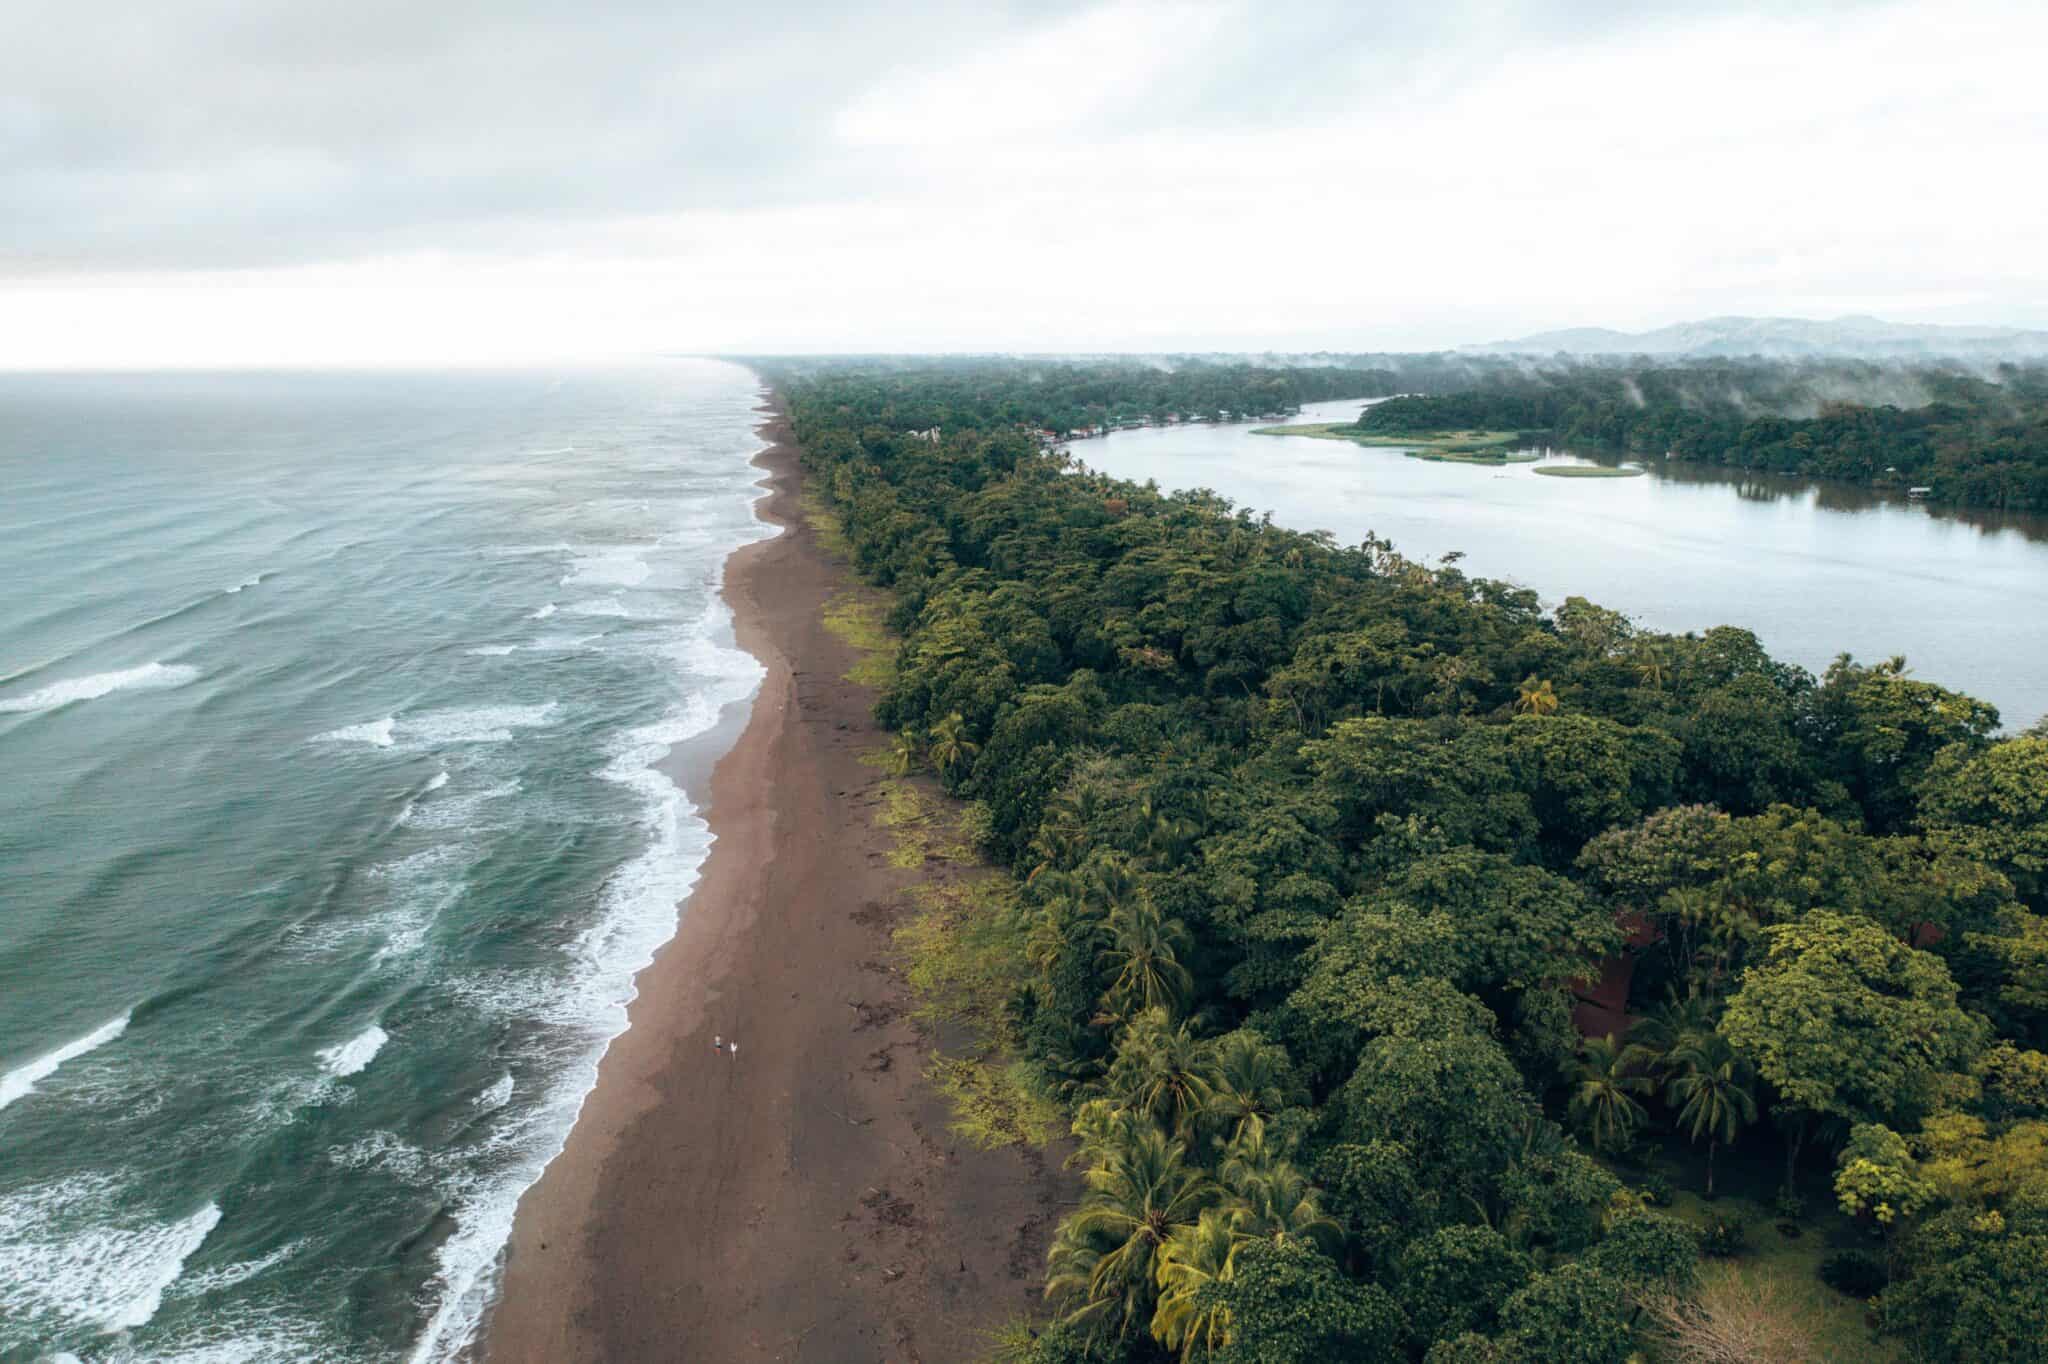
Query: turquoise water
[329,841]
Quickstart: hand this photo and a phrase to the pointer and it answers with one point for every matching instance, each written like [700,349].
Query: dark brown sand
[803,1200]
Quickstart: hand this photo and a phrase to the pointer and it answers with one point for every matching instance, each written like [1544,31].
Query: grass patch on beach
[858,619]
[964,953]
[825,523]
[922,828]
[1449,447]
[1587,471]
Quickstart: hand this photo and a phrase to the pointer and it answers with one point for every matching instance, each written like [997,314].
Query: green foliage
[1847,1022]
[1857,1273]
[1976,1288]
[1455,1280]
[1289,1304]
[1992,804]
[1573,1314]
[1305,850]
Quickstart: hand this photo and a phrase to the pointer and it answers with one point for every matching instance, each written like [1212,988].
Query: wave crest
[150,676]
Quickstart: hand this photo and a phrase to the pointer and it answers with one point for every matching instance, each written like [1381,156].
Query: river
[1814,569]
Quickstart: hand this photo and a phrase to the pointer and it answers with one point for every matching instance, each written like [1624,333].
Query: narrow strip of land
[803,1200]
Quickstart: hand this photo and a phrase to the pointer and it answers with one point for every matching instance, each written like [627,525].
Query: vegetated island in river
[1425,975]
[1449,447]
[1589,471]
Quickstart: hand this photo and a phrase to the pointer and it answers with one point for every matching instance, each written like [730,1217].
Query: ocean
[330,837]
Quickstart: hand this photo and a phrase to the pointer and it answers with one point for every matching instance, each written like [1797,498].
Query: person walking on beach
[735,1050]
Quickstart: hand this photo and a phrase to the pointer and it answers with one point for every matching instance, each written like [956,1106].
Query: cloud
[511,180]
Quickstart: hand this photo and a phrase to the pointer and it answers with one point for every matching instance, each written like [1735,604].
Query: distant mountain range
[1865,338]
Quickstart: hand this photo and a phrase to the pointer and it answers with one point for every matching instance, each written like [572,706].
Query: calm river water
[1814,570]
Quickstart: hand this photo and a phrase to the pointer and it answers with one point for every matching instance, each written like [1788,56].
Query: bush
[1657,1188]
[1855,1272]
[1789,1207]
[1724,1238]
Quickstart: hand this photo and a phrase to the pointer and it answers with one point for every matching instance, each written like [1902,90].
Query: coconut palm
[949,746]
[1535,697]
[1268,1196]
[1192,1260]
[1141,1189]
[1143,958]
[1603,1097]
[1652,663]
[1253,1080]
[905,753]
[1680,1020]
[1713,1092]
[1164,1072]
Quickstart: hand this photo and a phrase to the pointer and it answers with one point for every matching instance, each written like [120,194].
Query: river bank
[803,1199]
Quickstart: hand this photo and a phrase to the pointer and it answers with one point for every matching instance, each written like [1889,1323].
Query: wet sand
[804,1200]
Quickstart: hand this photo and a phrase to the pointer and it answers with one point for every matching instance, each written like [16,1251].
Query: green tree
[1163,1071]
[1190,1318]
[1143,959]
[1571,1315]
[1138,1190]
[1846,1021]
[1975,1288]
[1992,804]
[950,749]
[1455,1280]
[1713,1092]
[1536,697]
[1603,1098]
[1255,1079]
[1290,1304]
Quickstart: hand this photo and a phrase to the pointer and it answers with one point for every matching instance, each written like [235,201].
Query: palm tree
[1653,664]
[1680,1020]
[1193,1259]
[1713,1093]
[1166,1073]
[1141,1189]
[1269,1196]
[905,752]
[1144,956]
[1536,697]
[950,747]
[1253,1081]
[1603,1098]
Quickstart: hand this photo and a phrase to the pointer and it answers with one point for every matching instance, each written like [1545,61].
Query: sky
[197,182]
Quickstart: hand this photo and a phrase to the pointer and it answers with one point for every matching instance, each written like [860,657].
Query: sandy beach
[802,1200]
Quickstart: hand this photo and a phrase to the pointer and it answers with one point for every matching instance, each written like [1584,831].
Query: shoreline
[802,1200]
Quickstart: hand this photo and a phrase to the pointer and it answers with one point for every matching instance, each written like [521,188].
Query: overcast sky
[408,181]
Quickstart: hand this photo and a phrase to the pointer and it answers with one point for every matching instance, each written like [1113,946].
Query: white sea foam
[377,733]
[472,725]
[108,1274]
[492,650]
[434,728]
[148,677]
[603,606]
[544,612]
[548,644]
[638,914]
[609,566]
[497,1096]
[248,582]
[388,1152]
[411,806]
[204,1281]
[18,1083]
[350,1057]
